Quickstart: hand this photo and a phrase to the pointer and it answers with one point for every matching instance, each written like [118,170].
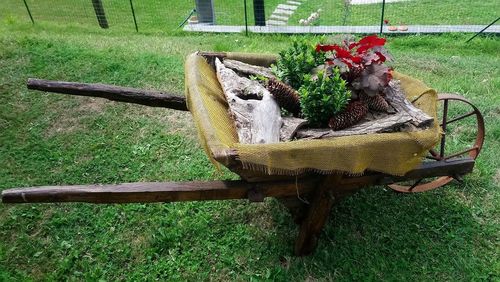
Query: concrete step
[278,17]
[286,7]
[283,12]
[273,22]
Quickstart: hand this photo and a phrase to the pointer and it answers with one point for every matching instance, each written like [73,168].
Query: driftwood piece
[256,114]
[150,98]
[248,69]
[406,118]
[396,97]
[290,127]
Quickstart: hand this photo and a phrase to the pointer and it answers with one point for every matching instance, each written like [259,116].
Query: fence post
[259,12]
[205,11]
[246,17]
[29,12]
[100,14]
[133,15]
[382,17]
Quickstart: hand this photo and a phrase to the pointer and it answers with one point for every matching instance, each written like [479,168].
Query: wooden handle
[150,98]
[148,192]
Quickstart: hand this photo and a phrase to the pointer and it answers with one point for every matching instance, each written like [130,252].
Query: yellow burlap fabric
[392,153]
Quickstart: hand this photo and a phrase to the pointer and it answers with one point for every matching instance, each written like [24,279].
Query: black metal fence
[287,16]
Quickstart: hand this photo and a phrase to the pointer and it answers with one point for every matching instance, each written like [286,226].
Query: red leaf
[352,45]
[381,57]
[346,61]
[372,40]
[342,53]
[325,48]
[357,59]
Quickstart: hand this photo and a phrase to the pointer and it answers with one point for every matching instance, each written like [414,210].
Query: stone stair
[283,12]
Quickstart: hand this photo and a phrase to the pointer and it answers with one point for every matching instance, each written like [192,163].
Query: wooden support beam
[150,98]
[317,215]
[217,190]
[156,192]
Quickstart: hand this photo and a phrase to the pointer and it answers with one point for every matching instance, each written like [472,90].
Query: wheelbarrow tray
[389,153]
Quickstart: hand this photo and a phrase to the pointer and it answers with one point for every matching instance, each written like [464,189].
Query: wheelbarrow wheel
[462,136]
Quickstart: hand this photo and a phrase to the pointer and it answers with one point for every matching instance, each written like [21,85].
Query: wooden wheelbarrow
[309,197]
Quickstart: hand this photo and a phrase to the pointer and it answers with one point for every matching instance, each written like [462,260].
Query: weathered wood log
[385,124]
[256,114]
[150,98]
[248,69]
[396,97]
[406,118]
[290,127]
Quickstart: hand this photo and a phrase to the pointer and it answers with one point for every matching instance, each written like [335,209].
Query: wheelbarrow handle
[149,192]
[150,98]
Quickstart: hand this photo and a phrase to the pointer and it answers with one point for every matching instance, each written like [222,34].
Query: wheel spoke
[438,154]
[461,153]
[460,117]
[443,125]
[415,184]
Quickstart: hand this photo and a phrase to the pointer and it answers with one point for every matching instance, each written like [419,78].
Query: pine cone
[286,97]
[376,103]
[354,112]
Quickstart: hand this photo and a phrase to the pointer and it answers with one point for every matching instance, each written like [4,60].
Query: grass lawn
[411,12]
[46,139]
[165,15]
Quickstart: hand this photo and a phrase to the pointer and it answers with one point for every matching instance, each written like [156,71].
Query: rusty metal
[473,152]
[460,117]
[443,126]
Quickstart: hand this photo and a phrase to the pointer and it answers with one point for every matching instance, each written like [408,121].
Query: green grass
[412,12]
[46,139]
[165,15]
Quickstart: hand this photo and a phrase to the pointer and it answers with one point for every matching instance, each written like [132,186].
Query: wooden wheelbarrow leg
[317,215]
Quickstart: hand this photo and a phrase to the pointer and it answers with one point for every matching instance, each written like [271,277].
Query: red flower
[386,21]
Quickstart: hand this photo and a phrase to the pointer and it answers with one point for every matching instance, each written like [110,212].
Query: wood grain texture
[247,69]
[290,127]
[396,97]
[144,192]
[256,114]
[150,98]
[317,215]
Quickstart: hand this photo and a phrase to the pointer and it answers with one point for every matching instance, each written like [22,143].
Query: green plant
[361,63]
[323,97]
[296,62]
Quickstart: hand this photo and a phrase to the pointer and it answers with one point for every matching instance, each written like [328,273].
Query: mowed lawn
[47,139]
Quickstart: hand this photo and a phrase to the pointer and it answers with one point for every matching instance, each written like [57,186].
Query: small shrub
[323,97]
[296,62]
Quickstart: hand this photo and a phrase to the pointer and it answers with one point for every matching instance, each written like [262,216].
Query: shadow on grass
[379,234]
